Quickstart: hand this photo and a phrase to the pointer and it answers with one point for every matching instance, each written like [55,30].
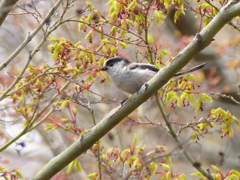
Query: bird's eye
[110,64]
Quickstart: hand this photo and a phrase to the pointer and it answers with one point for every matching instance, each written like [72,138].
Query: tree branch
[5,8]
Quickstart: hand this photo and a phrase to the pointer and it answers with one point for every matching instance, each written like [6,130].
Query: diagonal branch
[5,8]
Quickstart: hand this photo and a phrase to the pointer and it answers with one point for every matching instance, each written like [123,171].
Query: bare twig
[30,36]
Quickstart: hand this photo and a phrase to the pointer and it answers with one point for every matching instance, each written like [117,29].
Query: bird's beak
[104,68]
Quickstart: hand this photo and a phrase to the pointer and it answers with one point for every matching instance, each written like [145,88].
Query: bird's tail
[185,72]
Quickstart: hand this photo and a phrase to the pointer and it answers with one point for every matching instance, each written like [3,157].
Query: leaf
[64,120]
[92,175]
[181,177]
[110,2]
[215,168]
[19,174]
[50,126]
[135,139]
[165,52]
[205,97]
[153,168]
[235,173]
[191,77]
[64,103]
[206,20]
[57,50]
[188,96]
[177,14]
[113,30]
[197,174]
[168,160]
[171,95]
[53,39]
[89,35]
[165,166]
[89,18]
[124,45]
[80,26]
[198,104]
[150,38]
[205,6]
[88,3]
[134,3]
[78,166]
[159,16]
[194,136]
[70,166]
[106,41]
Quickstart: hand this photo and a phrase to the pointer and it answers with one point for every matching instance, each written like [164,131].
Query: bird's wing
[143,66]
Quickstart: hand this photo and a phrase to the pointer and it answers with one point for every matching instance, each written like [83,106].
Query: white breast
[131,80]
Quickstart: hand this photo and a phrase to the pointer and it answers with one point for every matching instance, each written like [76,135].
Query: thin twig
[30,36]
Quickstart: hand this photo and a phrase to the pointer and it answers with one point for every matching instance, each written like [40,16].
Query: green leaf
[191,77]
[177,14]
[165,52]
[124,45]
[64,103]
[168,160]
[92,175]
[89,18]
[159,16]
[50,126]
[205,6]
[106,41]
[110,2]
[206,20]
[125,153]
[78,166]
[165,166]
[135,139]
[198,104]
[235,173]
[197,174]
[2,168]
[153,168]
[64,120]
[181,177]
[215,168]
[132,5]
[19,174]
[150,38]
[171,95]
[188,96]
[168,176]
[57,49]
[89,35]
[205,97]
[88,3]
[70,166]
[113,30]
[80,26]
[53,39]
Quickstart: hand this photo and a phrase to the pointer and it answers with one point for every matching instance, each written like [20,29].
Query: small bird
[130,76]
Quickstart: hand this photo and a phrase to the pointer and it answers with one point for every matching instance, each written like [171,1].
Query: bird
[130,76]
